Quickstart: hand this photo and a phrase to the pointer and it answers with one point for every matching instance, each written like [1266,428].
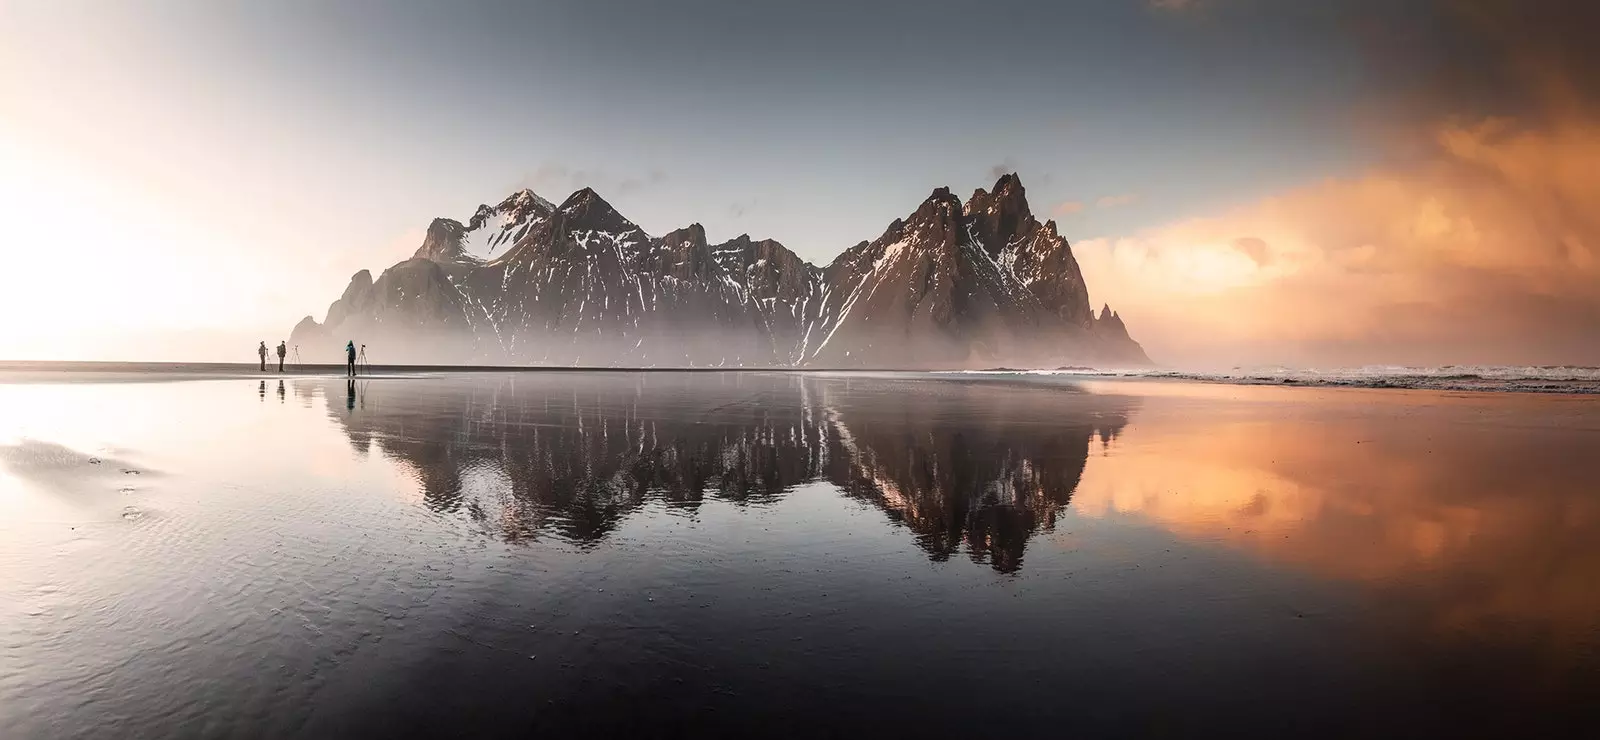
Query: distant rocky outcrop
[1109,326]
[953,285]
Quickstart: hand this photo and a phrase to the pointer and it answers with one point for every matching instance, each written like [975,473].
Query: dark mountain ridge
[528,282]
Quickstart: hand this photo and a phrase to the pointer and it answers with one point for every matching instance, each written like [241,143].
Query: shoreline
[23,372]
[315,368]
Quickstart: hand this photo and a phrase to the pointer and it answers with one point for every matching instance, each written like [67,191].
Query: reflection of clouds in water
[963,467]
[1482,525]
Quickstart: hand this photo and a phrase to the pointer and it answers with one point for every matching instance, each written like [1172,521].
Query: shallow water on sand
[785,554]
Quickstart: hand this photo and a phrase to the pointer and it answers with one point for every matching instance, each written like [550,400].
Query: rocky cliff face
[1032,252]
[528,282]
[925,294]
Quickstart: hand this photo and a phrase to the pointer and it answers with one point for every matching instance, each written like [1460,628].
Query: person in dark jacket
[283,349]
[262,353]
[350,358]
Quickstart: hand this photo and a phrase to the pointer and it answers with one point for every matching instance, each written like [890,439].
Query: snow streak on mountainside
[529,282]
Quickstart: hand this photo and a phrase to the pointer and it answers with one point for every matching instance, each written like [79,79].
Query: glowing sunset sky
[1246,181]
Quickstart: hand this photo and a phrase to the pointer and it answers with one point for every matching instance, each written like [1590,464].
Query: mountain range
[529,282]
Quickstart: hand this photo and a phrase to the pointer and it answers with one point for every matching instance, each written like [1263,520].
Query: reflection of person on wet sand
[263,390]
[350,394]
[280,391]
[262,352]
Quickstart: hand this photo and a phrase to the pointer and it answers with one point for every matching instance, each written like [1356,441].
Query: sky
[1245,181]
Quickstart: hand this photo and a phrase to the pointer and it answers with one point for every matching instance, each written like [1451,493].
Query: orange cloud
[1068,208]
[1486,251]
[1478,242]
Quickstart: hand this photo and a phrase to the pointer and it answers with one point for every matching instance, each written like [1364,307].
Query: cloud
[1538,58]
[1256,249]
[1009,166]
[1488,250]
[1067,208]
[1116,201]
[1005,167]
[1475,238]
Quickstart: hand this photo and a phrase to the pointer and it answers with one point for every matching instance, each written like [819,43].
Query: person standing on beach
[262,352]
[350,358]
[283,349]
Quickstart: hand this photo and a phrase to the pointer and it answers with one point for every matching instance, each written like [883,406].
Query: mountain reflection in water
[576,554]
[979,468]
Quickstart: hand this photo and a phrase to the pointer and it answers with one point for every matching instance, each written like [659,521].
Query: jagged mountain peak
[939,206]
[514,209]
[586,220]
[692,235]
[1002,216]
[1108,315]
[746,247]
[442,241]
[586,209]
[1007,187]
[491,227]
[1110,326]
[527,198]
[748,242]
[1007,182]
[481,216]
[585,196]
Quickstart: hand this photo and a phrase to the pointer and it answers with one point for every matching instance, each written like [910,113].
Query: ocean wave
[1578,379]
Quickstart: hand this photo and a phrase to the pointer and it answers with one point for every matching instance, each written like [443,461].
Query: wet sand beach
[209,554]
